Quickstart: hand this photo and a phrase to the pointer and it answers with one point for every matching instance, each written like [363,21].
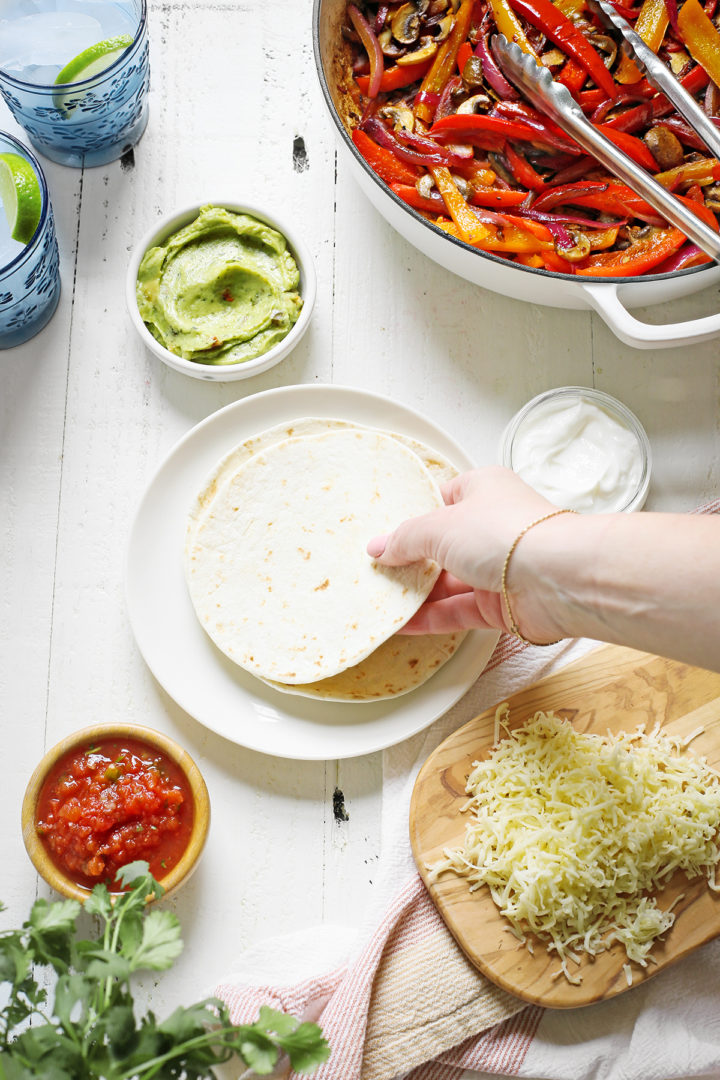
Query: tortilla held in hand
[277,570]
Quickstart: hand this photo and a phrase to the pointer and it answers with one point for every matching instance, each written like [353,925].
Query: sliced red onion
[377,131]
[426,97]
[672,11]
[492,73]
[381,18]
[570,219]
[372,47]
[688,255]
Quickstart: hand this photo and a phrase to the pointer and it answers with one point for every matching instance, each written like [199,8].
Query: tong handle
[662,79]
[538,85]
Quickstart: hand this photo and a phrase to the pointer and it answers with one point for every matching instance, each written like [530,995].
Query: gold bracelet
[514,629]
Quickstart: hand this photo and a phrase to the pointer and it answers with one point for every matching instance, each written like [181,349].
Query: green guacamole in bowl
[221,290]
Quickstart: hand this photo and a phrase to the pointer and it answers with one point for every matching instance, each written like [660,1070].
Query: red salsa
[109,803]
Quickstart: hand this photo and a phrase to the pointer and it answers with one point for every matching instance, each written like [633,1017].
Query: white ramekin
[170,224]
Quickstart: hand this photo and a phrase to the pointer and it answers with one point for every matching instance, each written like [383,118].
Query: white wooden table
[88,414]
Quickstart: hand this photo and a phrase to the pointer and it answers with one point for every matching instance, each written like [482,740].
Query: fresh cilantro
[91,1032]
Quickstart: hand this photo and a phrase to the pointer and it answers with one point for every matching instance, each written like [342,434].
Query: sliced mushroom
[476,104]
[552,58]
[427,48]
[606,45]
[406,24]
[712,99]
[712,197]
[580,249]
[472,73]
[665,147]
[401,116]
[389,47]
[461,184]
[442,28]
[425,185]
[437,7]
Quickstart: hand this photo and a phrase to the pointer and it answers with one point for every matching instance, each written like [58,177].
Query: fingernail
[376,546]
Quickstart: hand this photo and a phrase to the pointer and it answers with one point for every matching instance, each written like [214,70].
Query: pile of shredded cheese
[571,833]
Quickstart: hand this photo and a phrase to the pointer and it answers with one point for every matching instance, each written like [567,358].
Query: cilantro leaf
[92,1032]
[160,944]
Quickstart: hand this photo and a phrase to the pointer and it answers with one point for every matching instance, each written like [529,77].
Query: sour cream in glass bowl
[580,448]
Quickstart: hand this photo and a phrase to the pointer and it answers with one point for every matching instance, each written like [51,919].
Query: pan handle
[604,299]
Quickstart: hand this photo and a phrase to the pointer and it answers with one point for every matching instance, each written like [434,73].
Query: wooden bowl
[39,855]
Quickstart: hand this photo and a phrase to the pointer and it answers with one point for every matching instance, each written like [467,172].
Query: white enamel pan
[610,297]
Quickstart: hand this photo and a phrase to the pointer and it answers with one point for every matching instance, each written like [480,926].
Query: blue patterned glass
[30,278]
[93,121]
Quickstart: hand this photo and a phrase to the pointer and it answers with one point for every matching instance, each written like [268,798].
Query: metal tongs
[550,97]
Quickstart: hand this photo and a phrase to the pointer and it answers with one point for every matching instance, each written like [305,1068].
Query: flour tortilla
[277,568]
[401,663]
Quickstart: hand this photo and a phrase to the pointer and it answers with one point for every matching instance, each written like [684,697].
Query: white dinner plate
[181,656]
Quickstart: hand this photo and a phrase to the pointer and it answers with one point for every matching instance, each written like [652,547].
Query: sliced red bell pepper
[471,125]
[701,38]
[659,106]
[430,204]
[629,144]
[702,211]
[372,47]
[464,53]
[546,17]
[444,61]
[573,76]
[639,258]
[616,199]
[522,170]
[383,161]
[494,197]
[395,78]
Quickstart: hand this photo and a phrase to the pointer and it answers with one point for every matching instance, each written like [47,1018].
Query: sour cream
[581,449]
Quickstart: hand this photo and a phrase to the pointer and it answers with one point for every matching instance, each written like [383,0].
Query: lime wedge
[21,196]
[94,60]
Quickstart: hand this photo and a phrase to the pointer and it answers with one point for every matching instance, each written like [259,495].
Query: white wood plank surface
[87,415]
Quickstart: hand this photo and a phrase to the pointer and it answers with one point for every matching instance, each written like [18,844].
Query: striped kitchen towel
[397,999]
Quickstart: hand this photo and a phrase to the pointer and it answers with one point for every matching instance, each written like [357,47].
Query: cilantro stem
[215,1037]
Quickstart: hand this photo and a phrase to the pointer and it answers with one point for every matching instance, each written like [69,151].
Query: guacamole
[221,290]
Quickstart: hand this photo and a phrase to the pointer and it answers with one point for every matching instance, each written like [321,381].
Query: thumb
[416,539]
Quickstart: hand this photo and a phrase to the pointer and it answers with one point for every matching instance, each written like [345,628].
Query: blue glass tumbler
[91,122]
[30,278]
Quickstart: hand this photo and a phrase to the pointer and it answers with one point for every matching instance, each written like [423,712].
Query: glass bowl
[556,414]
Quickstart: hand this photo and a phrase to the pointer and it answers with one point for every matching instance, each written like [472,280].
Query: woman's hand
[470,538]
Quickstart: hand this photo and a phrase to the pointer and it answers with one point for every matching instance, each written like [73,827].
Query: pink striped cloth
[407,1003]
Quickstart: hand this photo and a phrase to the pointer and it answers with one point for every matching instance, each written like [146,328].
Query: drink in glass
[29,272]
[75,75]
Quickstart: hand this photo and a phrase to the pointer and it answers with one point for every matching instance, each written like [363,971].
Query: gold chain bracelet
[514,629]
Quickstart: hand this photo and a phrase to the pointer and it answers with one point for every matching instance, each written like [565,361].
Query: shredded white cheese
[572,832]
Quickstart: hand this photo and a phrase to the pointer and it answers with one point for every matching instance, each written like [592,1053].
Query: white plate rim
[169,637]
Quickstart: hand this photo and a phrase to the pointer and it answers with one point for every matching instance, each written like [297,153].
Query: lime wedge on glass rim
[94,60]
[21,196]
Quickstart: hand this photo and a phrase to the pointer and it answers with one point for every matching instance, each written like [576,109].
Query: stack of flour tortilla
[277,567]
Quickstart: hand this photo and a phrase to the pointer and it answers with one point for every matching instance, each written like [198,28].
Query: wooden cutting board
[611,688]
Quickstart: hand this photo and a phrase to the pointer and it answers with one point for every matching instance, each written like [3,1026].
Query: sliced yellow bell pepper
[471,229]
[701,38]
[444,62]
[651,24]
[508,24]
